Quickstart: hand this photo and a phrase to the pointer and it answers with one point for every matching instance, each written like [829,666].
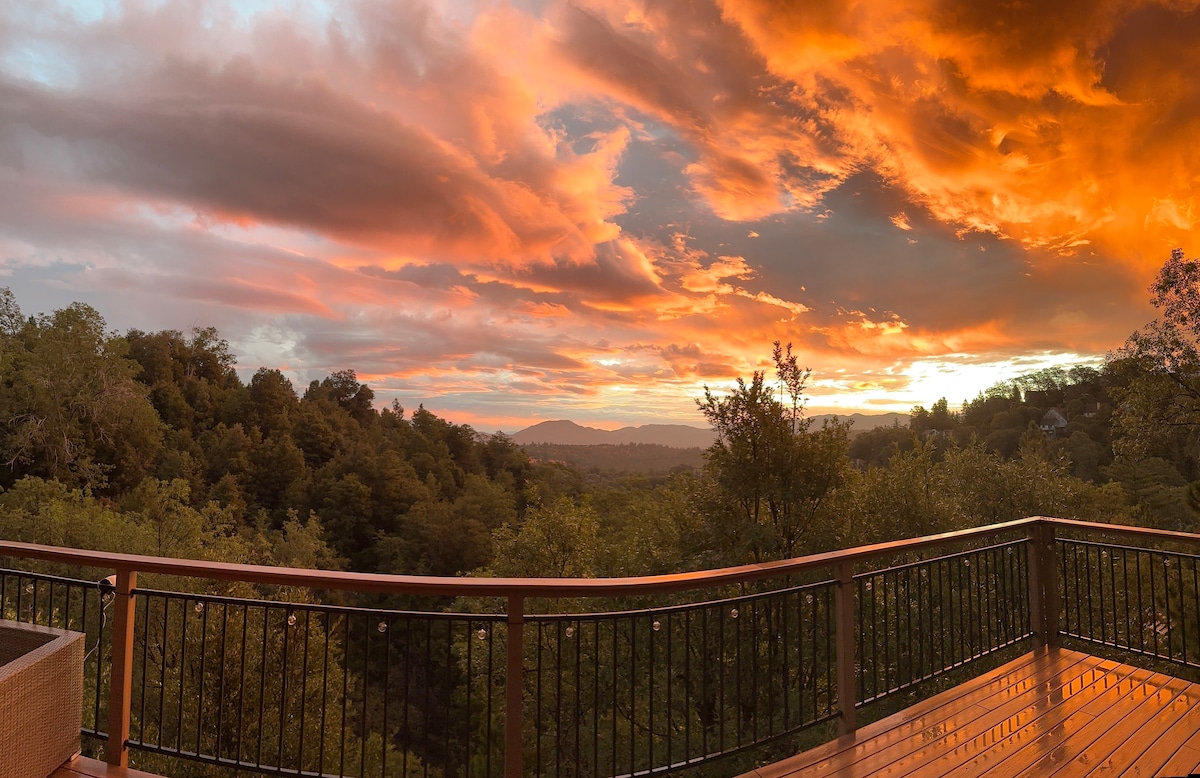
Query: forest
[151,443]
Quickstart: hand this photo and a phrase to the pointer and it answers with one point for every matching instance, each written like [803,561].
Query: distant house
[1054,423]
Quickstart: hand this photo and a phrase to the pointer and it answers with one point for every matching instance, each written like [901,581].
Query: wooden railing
[1001,591]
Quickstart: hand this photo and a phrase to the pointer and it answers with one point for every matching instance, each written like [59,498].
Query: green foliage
[34,510]
[1160,403]
[773,477]
[70,409]
[876,446]
[149,443]
[936,419]
[556,540]
[902,499]
[648,527]
[160,424]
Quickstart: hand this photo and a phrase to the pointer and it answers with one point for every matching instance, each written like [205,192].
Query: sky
[518,211]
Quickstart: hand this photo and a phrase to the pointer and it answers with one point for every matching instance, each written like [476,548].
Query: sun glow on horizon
[591,209]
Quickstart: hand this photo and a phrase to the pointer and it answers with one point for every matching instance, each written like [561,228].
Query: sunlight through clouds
[590,209]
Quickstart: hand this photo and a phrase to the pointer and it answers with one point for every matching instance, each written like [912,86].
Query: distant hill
[604,458]
[568,433]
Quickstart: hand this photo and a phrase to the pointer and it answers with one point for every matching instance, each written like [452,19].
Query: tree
[771,474]
[343,388]
[939,418]
[272,401]
[556,540]
[1159,406]
[70,407]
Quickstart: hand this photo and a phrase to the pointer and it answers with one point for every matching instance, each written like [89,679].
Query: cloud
[602,203]
[243,140]
[1039,123]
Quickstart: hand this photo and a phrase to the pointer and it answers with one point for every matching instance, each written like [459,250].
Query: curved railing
[568,677]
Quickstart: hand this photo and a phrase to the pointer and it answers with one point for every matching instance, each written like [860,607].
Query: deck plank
[1127,740]
[984,752]
[1050,712]
[1075,753]
[83,767]
[904,739]
[1155,757]
[900,727]
[1184,761]
[961,733]
[1041,749]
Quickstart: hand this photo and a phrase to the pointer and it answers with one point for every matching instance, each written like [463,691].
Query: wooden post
[1050,603]
[120,683]
[514,693]
[1033,569]
[843,599]
[1043,584]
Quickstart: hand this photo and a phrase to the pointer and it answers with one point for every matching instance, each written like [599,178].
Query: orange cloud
[1030,122]
[605,202]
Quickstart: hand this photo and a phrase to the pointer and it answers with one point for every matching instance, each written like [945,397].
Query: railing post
[1050,584]
[1033,569]
[1043,584]
[514,693]
[121,670]
[843,599]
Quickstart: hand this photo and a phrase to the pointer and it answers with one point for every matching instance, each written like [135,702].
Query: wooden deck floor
[1049,713]
[82,767]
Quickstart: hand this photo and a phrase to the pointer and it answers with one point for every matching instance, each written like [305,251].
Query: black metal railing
[922,619]
[1141,600]
[314,689]
[655,690]
[708,664]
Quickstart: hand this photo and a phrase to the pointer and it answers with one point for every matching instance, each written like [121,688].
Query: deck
[82,767]
[1048,713]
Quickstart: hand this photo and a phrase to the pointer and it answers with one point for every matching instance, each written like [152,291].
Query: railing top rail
[1125,530]
[491,587]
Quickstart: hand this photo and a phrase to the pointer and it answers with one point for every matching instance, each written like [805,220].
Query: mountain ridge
[564,432]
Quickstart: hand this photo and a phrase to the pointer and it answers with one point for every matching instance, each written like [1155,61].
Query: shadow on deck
[82,767]
[1051,712]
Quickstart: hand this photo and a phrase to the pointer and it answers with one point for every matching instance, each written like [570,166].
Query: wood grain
[1052,712]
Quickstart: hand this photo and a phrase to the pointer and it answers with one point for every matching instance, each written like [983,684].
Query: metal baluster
[387,687]
[362,754]
[537,695]
[670,683]
[182,675]
[203,655]
[488,742]
[262,682]
[289,622]
[633,695]
[578,643]
[1153,603]
[614,695]
[221,682]
[145,643]
[242,683]
[304,694]
[408,691]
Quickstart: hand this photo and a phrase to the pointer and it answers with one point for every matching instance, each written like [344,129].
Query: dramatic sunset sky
[517,211]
